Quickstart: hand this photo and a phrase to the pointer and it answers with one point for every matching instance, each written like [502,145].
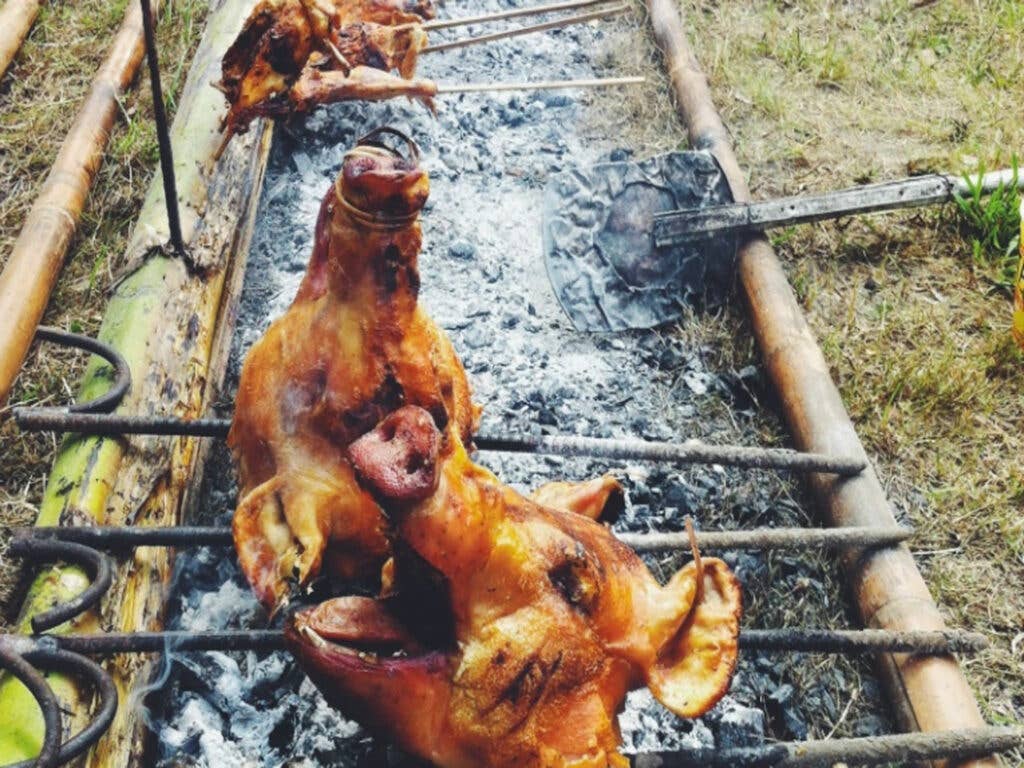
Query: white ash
[489,156]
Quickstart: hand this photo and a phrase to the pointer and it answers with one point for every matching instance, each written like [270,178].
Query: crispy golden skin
[282,39]
[353,347]
[534,624]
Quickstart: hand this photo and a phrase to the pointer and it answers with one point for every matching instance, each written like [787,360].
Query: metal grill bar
[123,537]
[872,750]
[59,420]
[766,640]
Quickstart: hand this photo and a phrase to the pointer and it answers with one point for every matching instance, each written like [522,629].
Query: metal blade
[599,249]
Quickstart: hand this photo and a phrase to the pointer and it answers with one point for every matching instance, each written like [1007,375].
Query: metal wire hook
[98,566]
[110,399]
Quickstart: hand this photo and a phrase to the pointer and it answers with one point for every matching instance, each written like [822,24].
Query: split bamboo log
[16,19]
[163,318]
[38,255]
[929,693]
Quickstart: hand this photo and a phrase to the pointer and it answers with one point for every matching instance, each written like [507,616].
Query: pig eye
[576,582]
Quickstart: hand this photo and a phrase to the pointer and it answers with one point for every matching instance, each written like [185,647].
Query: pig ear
[693,669]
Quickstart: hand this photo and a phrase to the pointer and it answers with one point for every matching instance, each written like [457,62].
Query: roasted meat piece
[511,632]
[353,347]
[316,87]
[282,37]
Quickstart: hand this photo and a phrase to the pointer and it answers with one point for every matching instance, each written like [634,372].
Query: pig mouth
[355,625]
[414,620]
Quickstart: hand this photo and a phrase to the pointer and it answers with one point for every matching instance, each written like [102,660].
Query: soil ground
[913,317]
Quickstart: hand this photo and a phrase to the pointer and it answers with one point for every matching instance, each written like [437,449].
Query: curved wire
[97,565]
[110,399]
[45,653]
[14,662]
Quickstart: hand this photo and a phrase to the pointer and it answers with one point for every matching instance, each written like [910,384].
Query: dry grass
[822,95]
[39,98]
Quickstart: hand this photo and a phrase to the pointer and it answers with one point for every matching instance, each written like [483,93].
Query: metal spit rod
[828,641]
[121,537]
[60,420]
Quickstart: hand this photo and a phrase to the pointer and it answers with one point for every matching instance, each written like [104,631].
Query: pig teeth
[313,637]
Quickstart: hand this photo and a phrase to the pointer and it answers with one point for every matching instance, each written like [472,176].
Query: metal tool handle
[679,227]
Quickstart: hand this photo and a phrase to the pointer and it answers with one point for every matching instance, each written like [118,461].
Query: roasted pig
[281,38]
[353,347]
[509,632]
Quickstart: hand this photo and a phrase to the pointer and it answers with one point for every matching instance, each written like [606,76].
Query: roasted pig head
[353,347]
[511,631]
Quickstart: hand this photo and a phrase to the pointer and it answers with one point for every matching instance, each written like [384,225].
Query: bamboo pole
[929,693]
[16,19]
[38,255]
[162,318]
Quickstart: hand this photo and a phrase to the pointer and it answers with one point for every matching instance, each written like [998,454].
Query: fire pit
[227,693]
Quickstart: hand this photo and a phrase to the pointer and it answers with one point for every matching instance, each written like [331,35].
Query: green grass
[39,98]
[991,223]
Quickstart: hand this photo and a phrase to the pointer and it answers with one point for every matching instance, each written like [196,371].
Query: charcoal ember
[462,249]
[737,725]
[649,727]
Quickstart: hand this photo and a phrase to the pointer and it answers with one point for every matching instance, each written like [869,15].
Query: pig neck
[369,265]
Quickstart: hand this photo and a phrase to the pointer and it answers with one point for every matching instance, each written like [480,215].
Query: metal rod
[581,18]
[58,420]
[870,750]
[116,537]
[770,538]
[126,536]
[169,641]
[855,641]
[535,10]
[767,640]
[162,134]
[122,378]
[540,85]
[952,745]
[674,453]
[683,226]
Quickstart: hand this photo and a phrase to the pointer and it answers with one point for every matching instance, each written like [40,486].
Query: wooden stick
[927,693]
[540,85]
[38,255]
[556,24]
[16,19]
[536,10]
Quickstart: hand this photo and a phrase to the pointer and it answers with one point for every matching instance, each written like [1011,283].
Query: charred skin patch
[577,580]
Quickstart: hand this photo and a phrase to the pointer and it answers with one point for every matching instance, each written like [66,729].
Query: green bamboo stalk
[162,319]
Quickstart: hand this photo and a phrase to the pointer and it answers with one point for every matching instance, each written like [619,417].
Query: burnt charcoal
[738,725]
[462,249]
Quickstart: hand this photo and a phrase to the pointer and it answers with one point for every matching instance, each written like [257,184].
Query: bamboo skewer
[540,85]
[16,19]
[517,31]
[487,18]
[38,255]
